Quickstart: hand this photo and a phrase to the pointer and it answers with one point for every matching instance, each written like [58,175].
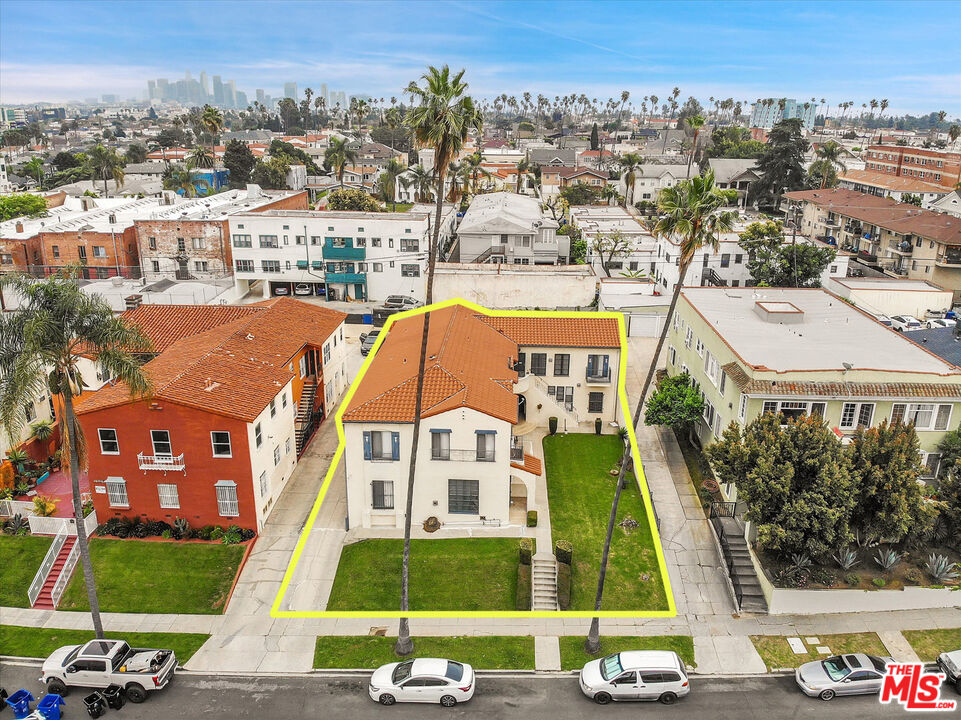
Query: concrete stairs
[543,582]
[747,588]
[45,598]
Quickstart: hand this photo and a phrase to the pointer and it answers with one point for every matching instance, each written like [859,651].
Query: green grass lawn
[574,656]
[483,653]
[20,558]
[399,207]
[776,652]
[928,644]
[157,577]
[40,642]
[580,492]
[462,574]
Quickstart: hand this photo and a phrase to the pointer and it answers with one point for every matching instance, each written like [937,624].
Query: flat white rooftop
[889,284]
[830,333]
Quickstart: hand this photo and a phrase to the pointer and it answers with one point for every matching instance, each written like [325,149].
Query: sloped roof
[558,331]
[165,324]
[503,212]
[233,369]
[468,365]
[726,169]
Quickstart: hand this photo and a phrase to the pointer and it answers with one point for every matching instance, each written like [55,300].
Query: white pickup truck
[101,663]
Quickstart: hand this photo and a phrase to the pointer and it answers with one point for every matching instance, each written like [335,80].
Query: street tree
[676,403]
[239,161]
[339,155]
[774,262]
[104,164]
[782,164]
[609,246]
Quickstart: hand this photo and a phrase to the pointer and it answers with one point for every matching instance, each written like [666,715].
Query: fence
[55,525]
[9,508]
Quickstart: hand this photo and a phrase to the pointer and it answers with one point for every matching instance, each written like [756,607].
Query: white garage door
[644,325]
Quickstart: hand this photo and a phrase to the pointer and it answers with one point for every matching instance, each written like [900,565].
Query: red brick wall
[120,249]
[189,434]
[166,233]
[294,202]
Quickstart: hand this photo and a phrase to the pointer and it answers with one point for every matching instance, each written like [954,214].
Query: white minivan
[635,675]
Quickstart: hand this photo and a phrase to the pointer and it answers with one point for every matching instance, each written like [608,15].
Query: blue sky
[908,52]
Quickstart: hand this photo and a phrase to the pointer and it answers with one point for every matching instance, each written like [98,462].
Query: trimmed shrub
[523,599]
[217,533]
[879,582]
[205,532]
[159,527]
[247,534]
[564,551]
[563,586]
[597,426]
[552,425]
[526,551]
[140,530]
[532,518]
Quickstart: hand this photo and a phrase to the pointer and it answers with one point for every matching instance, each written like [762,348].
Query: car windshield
[402,671]
[835,668]
[455,671]
[878,663]
[611,666]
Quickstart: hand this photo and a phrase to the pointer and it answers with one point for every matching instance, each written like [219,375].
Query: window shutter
[367,454]
[395,446]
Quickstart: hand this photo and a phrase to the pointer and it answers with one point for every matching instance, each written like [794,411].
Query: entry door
[625,686]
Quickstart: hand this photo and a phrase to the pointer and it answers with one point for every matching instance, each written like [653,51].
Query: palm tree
[629,163]
[40,346]
[523,168]
[673,103]
[201,157]
[184,180]
[696,122]
[104,164]
[690,211]
[339,155]
[388,180]
[830,154]
[474,170]
[213,123]
[422,180]
[442,121]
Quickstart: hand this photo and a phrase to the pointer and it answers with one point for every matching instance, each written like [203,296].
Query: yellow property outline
[275,610]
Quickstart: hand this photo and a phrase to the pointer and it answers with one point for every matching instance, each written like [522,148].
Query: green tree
[201,157]
[580,194]
[578,250]
[34,168]
[387,182]
[911,199]
[695,122]
[595,143]
[821,174]
[103,164]
[40,346]
[65,161]
[185,180]
[136,153]
[734,142]
[796,480]
[523,169]
[271,174]
[889,505]
[691,212]
[829,157]
[339,155]
[609,246]
[422,180]
[776,263]
[949,448]
[239,161]
[293,155]
[352,199]
[173,136]
[21,205]
[675,402]
[782,164]
[949,504]
[442,120]
[629,163]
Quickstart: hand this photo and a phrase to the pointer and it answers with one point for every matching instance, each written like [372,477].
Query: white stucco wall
[275,431]
[508,287]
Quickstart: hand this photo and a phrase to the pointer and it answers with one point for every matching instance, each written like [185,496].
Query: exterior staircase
[737,557]
[45,598]
[543,582]
[304,419]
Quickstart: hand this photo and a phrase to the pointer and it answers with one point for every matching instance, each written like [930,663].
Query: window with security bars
[169,496]
[117,492]
[463,497]
[538,364]
[227,505]
[382,494]
[595,402]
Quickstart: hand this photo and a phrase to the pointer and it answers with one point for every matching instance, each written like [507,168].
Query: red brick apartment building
[937,167]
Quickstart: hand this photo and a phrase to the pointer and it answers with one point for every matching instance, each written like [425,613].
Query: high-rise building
[218,91]
[767,113]
[290,90]
[241,100]
[204,88]
[230,94]
[163,89]
[260,95]
[323,92]
[151,89]
[109,99]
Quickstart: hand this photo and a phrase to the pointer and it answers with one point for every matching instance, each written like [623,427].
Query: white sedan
[425,680]
[941,323]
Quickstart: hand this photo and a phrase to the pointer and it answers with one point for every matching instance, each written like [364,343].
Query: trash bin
[96,704]
[20,702]
[49,706]
[115,697]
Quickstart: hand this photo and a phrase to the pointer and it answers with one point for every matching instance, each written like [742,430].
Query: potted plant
[552,425]
[42,430]
[597,426]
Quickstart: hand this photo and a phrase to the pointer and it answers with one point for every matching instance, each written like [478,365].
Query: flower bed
[135,528]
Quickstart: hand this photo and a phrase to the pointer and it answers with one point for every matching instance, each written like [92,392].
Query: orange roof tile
[891,182]
[234,369]
[531,464]
[558,331]
[165,324]
[456,374]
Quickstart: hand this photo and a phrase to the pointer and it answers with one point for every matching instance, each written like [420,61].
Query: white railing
[65,574]
[465,456]
[90,523]
[161,462]
[56,525]
[569,411]
[9,508]
[41,577]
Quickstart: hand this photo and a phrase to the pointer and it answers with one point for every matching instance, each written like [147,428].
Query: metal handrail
[65,574]
[161,462]
[571,412]
[48,560]
[465,456]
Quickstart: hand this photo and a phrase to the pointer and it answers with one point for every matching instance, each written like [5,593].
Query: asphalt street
[531,698]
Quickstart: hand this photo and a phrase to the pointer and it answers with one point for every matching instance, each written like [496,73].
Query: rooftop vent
[133,301]
[778,312]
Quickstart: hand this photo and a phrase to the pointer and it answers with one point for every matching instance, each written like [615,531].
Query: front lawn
[482,652]
[580,492]
[574,656]
[466,574]
[399,207]
[928,644]
[776,652]
[20,558]
[157,577]
[40,642]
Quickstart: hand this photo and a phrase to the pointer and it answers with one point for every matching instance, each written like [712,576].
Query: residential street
[556,698]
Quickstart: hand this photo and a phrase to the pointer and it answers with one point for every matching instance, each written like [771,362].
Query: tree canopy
[580,194]
[271,174]
[21,205]
[775,263]
[352,199]
[734,142]
[676,402]
[239,161]
[782,163]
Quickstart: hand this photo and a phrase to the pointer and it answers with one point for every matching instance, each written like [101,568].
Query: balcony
[598,377]
[346,277]
[901,248]
[161,462]
[949,260]
[346,252]
[464,456]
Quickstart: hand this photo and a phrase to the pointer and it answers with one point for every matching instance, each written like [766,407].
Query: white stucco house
[489,382]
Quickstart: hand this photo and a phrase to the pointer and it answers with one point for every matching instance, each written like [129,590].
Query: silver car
[367,341]
[635,675]
[855,674]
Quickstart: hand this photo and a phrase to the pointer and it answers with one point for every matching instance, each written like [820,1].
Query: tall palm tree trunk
[593,642]
[690,159]
[405,645]
[82,544]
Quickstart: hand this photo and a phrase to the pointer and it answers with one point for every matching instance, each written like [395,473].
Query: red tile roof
[233,369]
[531,464]
[165,324]
[558,331]
[890,182]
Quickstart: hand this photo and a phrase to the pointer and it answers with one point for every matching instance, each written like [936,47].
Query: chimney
[19,227]
[113,219]
[133,301]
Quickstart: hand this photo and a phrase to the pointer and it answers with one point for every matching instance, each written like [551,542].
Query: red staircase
[45,598]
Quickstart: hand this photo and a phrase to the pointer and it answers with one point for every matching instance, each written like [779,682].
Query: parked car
[855,674]
[303,289]
[402,302]
[367,341]
[635,675]
[425,680]
[884,320]
[101,663]
[941,323]
[950,664]
[281,290]
[905,323]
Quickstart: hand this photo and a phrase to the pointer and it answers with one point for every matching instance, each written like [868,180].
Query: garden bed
[482,652]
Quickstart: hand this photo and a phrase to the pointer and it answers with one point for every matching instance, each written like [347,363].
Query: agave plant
[847,558]
[887,559]
[42,429]
[800,562]
[17,525]
[181,527]
[941,569]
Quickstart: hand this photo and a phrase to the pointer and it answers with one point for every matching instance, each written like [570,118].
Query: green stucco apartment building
[806,351]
